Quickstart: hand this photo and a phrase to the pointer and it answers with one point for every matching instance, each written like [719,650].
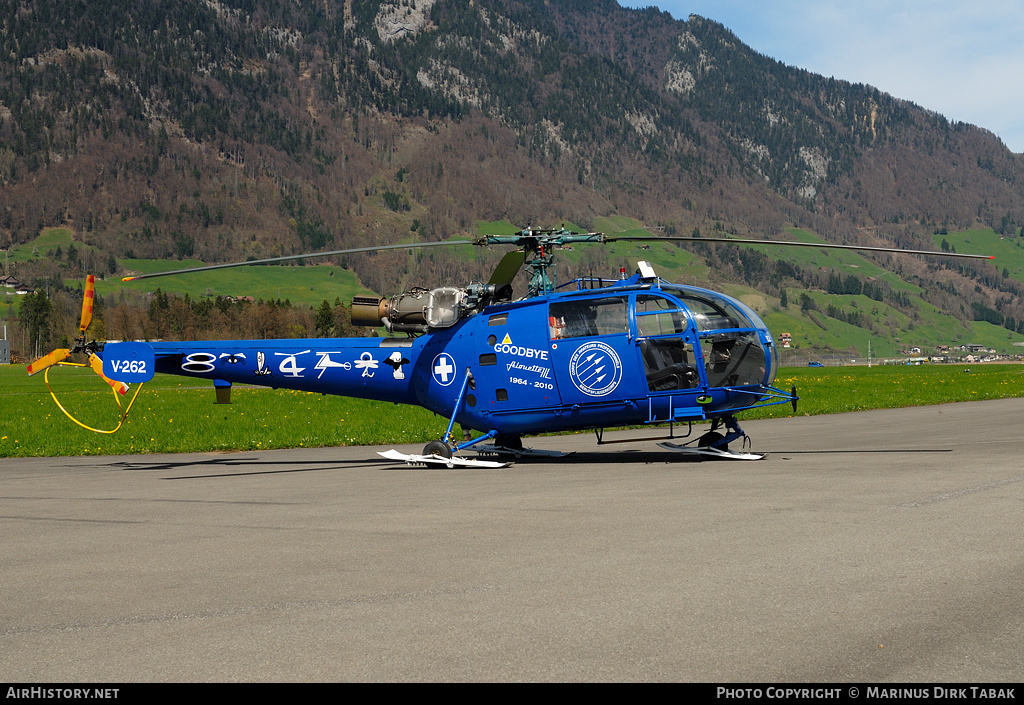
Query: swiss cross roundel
[443,369]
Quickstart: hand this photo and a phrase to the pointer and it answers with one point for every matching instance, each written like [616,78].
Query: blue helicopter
[591,354]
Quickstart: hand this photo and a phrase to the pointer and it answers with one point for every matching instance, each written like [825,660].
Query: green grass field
[174,414]
[836,390]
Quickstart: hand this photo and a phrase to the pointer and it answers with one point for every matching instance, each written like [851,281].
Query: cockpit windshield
[729,340]
[717,313]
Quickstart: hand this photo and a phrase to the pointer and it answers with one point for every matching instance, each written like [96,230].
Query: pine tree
[324,319]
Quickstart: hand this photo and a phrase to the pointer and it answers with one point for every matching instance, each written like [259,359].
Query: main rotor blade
[508,268]
[58,355]
[90,290]
[410,246]
[787,243]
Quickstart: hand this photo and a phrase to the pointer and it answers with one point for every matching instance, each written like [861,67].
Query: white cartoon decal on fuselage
[395,361]
[289,367]
[325,361]
[366,363]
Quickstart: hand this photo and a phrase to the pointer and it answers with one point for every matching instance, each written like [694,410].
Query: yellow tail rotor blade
[58,355]
[97,366]
[90,290]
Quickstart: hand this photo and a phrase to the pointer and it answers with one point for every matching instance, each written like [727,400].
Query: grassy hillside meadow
[892,329]
[1008,251]
[308,285]
[305,285]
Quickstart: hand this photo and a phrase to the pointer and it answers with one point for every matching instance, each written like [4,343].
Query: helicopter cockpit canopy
[680,331]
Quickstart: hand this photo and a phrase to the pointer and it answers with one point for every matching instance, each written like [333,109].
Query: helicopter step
[437,460]
[710,452]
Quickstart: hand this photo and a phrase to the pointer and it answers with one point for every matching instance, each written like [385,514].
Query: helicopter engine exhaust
[368,310]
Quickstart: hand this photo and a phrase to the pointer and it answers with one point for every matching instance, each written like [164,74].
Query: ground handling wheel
[439,448]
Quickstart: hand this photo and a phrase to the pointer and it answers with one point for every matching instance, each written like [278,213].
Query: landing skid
[489,450]
[438,461]
[709,452]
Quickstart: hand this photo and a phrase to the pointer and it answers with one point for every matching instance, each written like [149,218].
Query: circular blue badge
[595,369]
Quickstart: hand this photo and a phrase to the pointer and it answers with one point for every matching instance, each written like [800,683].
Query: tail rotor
[90,348]
[61,355]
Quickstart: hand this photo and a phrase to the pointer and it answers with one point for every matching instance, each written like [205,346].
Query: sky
[964,60]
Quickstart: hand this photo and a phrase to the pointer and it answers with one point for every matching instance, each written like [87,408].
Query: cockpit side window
[585,317]
[669,362]
[656,315]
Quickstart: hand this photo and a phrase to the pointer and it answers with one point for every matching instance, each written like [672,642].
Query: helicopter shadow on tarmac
[264,466]
[243,466]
